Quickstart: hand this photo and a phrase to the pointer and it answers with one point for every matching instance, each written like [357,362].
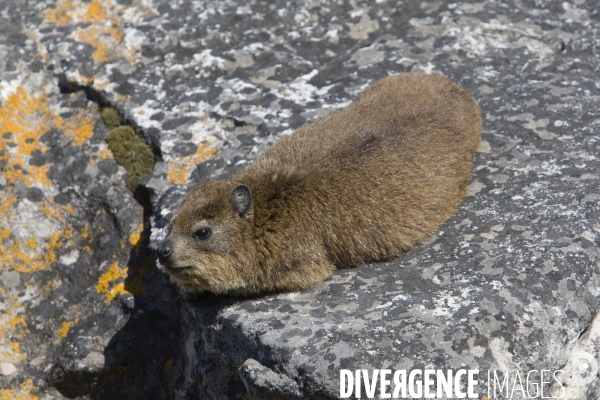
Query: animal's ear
[241,199]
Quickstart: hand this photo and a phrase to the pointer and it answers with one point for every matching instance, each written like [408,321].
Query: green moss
[111,118]
[132,153]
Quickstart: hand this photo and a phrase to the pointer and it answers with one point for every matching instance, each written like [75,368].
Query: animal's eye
[202,233]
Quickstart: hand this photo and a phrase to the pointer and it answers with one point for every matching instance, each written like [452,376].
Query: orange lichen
[26,118]
[18,320]
[104,31]
[108,284]
[86,231]
[96,12]
[4,234]
[51,211]
[64,329]
[105,39]
[135,237]
[112,274]
[80,127]
[23,393]
[51,285]
[179,170]
[23,120]
[13,326]
[31,256]
[82,79]
[102,153]
[121,97]
[102,83]
[60,15]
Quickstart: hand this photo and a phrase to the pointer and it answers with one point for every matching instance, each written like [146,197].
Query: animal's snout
[164,250]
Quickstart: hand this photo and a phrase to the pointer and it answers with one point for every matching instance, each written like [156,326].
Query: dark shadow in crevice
[144,358]
[65,86]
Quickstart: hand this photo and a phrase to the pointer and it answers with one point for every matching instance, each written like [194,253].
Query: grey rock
[72,238]
[34,194]
[263,382]
[7,369]
[509,283]
[10,279]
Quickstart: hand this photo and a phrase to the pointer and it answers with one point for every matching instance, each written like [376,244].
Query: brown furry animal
[362,184]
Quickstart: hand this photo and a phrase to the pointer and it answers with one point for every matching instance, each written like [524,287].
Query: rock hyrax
[362,184]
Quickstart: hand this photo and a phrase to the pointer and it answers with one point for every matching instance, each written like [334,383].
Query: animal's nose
[164,250]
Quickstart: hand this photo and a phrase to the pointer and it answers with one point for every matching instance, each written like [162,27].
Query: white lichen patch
[300,91]
[367,56]
[480,39]
[362,29]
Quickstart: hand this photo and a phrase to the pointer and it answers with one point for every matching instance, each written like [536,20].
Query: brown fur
[362,184]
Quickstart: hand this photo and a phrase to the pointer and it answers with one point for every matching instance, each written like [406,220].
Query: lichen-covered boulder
[78,287]
[510,283]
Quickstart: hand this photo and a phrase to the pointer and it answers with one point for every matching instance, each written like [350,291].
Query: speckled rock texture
[83,311]
[511,282]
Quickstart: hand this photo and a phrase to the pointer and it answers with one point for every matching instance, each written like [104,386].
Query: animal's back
[386,171]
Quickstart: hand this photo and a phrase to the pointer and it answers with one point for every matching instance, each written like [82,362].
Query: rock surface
[7,369]
[83,311]
[511,282]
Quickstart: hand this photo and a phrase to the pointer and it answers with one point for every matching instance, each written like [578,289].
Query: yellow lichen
[105,39]
[26,118]
[60,15]
[50,211]
[180,169]
[104,30]
[23,120]
[108,284]
[86,231]
[135,237]
[121,97]
[64,329]
[80,127]
[102,153]
[13,327]
[82,79]
[24,392]
[18,320]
